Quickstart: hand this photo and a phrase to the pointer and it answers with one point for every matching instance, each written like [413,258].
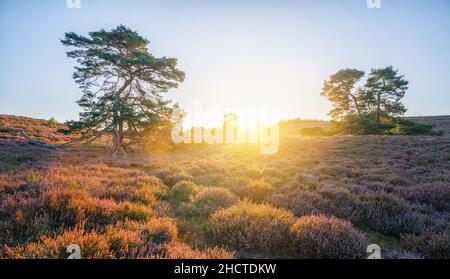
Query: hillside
[38,129]
[229,200]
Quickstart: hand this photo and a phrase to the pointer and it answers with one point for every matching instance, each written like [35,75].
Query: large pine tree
[122,84]
[342,91]
[385,89]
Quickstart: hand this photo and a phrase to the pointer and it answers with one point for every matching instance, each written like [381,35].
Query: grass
[389,190]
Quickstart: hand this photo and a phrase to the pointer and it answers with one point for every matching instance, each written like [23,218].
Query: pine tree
[341,90]
[122,85]
[384,90]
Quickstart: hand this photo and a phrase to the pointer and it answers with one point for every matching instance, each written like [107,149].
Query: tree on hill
[340,90]
[122,85]
[375,108]
[384,90]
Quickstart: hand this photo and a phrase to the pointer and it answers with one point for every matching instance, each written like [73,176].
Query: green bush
[52,122]
[365,124]
[212,199]
[408,127]
[134,212]
[184,191]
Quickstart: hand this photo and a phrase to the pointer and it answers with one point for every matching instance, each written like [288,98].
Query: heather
[318,197]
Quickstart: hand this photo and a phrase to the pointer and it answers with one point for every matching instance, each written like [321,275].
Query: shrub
[257,191]
[184,191]
[429,244]
[20,220]
[389,214]
[327,237]
[68,207]
[437,195]
[92,246]
[408,127]
[173,178]
[250,227]
[123,242]
[312,131]
[328,201]
[144,195]
[362,125]
[134,212]
[179,250]
[212,199]
[299,202]
[131,239]
[341,203]
[52,122]
[159,230]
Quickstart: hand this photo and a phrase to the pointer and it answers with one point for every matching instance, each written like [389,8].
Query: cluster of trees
[373,108]
[123,84]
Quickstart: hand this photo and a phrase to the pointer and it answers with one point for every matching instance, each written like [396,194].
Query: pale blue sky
[235,53]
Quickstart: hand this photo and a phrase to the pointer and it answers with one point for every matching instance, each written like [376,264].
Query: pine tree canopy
[122,85]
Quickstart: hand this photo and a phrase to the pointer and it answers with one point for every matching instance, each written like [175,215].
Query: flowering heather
[327,237]
[230,200]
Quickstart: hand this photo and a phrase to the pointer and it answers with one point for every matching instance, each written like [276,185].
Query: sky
[236,54]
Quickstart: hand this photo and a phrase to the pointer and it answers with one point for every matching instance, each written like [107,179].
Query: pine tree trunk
[118,144]
[378,107]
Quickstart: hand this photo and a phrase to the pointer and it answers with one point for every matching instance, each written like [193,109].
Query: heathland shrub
[184,191]
[144,195]
[257,191]
[437,195]
[123,242]
[176,176]
[93,245]
[156,238]
[20,218]
[321,237]
[249,227]
[179,250]
[159,230]
[67,207]
[299,202]
[429,244]
[212,199]
[389,214]
[141,240]
[341,203]
[133,212]
[328,201]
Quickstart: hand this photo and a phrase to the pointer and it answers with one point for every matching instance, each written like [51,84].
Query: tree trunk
[378,107]
[118,144]
[356,104]
[117,133]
